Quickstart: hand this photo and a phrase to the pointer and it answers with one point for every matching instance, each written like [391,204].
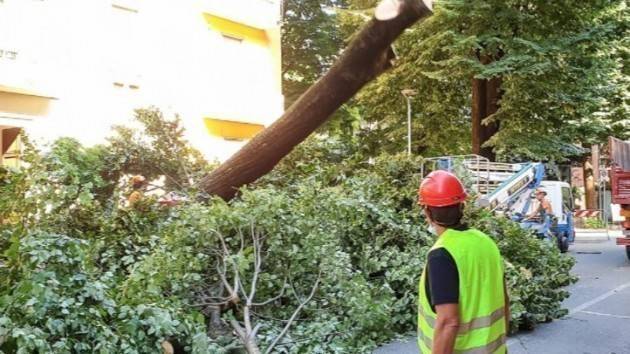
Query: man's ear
[427,214]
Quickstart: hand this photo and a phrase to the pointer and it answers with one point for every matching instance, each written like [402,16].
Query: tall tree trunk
[485,102]
[478,113]
[493,96]
[590,169]
[366,57]
[486,95]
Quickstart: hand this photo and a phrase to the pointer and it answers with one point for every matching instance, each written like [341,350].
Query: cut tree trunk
[367,56]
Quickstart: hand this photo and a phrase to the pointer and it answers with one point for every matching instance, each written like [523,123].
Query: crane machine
[508,188]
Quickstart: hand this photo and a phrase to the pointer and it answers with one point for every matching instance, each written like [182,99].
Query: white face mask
[431,229]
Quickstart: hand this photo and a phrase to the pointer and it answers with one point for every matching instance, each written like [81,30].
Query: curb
[590,231]
[591,237]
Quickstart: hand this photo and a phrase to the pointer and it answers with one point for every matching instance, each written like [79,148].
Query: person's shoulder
[438,252]
[477,232]
[440,257]
[484,237]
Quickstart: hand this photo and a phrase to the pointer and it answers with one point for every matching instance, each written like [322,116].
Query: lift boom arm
[528,177]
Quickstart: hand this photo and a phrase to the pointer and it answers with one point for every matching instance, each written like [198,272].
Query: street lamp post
[408,93]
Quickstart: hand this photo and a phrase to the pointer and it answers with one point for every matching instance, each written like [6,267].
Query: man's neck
[439,230]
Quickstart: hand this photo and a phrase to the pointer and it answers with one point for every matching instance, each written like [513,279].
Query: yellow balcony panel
[237,30]
[21,101]
[232,130]
[23,104]
[25,92]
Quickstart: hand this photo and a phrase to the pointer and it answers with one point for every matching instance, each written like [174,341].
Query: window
[126,5]
[124,46]
[8,54]
[237,30]
[567,199]
[232,40]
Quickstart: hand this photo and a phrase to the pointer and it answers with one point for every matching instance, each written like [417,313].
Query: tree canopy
[563,67]
[311,41]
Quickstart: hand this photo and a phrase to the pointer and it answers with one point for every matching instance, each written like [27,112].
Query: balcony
[263,14]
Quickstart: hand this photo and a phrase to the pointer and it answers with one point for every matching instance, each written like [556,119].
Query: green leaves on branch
[82,273]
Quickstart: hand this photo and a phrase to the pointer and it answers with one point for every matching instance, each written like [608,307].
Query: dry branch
[238,295]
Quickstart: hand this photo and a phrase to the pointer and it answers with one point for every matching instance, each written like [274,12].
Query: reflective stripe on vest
[485,349]
[476,323]
[481,298]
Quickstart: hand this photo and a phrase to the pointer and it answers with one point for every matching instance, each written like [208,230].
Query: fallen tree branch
[295,313]
[242,300]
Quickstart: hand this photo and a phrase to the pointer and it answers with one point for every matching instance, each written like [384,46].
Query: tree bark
[478,113]
[486,95]
[590,179]
[485,102]
[366,57]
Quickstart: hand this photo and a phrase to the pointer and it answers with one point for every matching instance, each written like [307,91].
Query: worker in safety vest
[463,304]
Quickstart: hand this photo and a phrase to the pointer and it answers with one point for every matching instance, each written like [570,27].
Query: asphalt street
[599,309]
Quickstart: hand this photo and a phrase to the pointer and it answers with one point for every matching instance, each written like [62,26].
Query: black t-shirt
[442,278]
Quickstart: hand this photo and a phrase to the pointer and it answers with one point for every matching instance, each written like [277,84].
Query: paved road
[599,310]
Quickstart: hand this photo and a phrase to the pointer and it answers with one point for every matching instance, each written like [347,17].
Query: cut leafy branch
[244,299]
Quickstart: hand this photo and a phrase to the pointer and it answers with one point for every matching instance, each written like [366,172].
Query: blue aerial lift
[508,189]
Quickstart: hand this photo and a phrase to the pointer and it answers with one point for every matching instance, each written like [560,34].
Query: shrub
[594,223]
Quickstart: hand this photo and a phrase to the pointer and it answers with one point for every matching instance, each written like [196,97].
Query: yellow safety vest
[482,328]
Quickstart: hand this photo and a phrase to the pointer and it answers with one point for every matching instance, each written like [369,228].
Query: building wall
[76,67]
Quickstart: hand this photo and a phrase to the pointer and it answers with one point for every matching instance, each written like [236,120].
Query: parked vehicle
[620,185]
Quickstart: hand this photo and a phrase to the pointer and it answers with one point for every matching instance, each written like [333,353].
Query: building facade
[75,68]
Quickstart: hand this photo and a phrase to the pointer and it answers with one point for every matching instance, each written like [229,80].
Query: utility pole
[408,93]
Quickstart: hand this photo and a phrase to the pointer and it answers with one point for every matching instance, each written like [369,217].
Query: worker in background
[539,209]
[138,186]
[463,303]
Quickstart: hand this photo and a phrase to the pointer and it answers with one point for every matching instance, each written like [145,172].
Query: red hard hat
[440,189]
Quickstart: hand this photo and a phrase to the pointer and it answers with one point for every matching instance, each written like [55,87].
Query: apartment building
[76,67]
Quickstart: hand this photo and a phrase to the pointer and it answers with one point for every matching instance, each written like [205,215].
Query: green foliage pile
[67,246]
[535,271]
[80,272]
